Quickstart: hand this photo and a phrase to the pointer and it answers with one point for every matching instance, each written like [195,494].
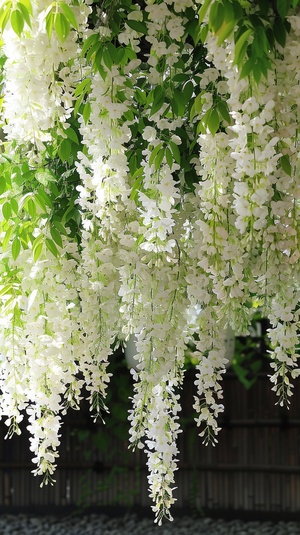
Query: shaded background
[254,469]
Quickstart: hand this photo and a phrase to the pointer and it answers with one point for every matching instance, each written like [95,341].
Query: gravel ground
[132,525]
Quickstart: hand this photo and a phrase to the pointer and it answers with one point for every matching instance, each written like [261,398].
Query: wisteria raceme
[104,197]
[160,302]
[281,251]
[149,190]
[41,377]
[40,74]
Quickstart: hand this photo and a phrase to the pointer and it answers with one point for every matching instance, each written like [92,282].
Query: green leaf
[286,164]
[228,10]
[121,56]
[179,102]
[213,121]
[44,176]
[257,73]
[64,150]
[14,206]
[6,210]
[187,91]
[181,77]
[86,111]
[225,31]
[17,21]
[15,248]
[58,225]
[264,65]
[240,46]
[27,5]
[7,237]
[192,29]
[78,103]
[50,23]
[23,201]
[224,112]
[137,26]
[139,172]
[175,151]
[83,87]
[56,236]
[72,135]
[169,157]
[203,10]
[37,246]
[279,32]
[31,207]
[260,45]
[159,158]
[238,10]
[26,14]
[2,185]
[158,100]
[6,289]
[247,68]
[69,15]
[68,213]
[154,153]
[216,16]
[89,42]
[135,189]
[43,195]
[203,33]
[107,58]
[62,26]
[113,52]
[198,103]
[40,201]
[5,11]
[283,7]
[97,50]
[99,67]
[140,96]
[37,251]
[51,247]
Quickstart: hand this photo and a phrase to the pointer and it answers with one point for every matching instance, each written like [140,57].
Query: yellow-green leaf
[6,210]
[62,26]
[69,14]
[17,21]
[7,237]
[37,251]
[24,11]
[203,9]
[15,248]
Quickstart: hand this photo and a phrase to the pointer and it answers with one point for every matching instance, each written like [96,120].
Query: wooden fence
[255,467]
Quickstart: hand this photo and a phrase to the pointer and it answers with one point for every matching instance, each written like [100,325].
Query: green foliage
[60,18]
[254,34]
[17,14]
[251,354]
[47,194]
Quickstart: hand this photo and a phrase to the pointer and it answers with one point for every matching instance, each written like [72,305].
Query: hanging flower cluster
[149,189]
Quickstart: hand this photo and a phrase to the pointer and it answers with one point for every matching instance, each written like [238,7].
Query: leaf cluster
[256,33]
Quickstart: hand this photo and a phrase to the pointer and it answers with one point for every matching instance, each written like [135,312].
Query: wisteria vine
[149,189]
